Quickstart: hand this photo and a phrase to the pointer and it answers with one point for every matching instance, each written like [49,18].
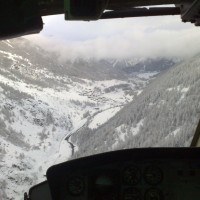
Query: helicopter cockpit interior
[135,174]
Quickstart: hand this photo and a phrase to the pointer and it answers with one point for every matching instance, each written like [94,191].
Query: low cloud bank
[144,37]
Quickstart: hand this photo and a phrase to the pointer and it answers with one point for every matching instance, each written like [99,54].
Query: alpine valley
[52,111]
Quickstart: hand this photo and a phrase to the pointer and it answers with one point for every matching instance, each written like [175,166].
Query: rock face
[44,102]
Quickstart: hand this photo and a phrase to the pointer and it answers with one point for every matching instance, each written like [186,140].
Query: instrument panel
[127,178]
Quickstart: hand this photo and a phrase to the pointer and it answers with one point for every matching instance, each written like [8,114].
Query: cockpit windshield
[83,88]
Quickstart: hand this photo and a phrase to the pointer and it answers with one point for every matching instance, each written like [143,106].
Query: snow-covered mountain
[117,69]
[44,102]
[166,113]
[135,65]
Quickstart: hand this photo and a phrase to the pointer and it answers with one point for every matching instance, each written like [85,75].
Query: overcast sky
[119,38]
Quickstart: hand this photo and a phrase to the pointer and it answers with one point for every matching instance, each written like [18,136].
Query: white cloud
[147,37]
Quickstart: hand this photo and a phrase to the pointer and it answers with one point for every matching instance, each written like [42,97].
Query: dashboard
[137,174]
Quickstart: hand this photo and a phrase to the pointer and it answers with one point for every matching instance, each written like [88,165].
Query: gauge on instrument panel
[153,175]
[153,194]
[131,175]
[76,186]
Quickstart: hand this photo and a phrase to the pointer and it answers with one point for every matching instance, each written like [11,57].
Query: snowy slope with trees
[166,113]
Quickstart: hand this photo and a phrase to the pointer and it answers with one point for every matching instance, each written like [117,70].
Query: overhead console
[23,17]
[136,174]
[107,9]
